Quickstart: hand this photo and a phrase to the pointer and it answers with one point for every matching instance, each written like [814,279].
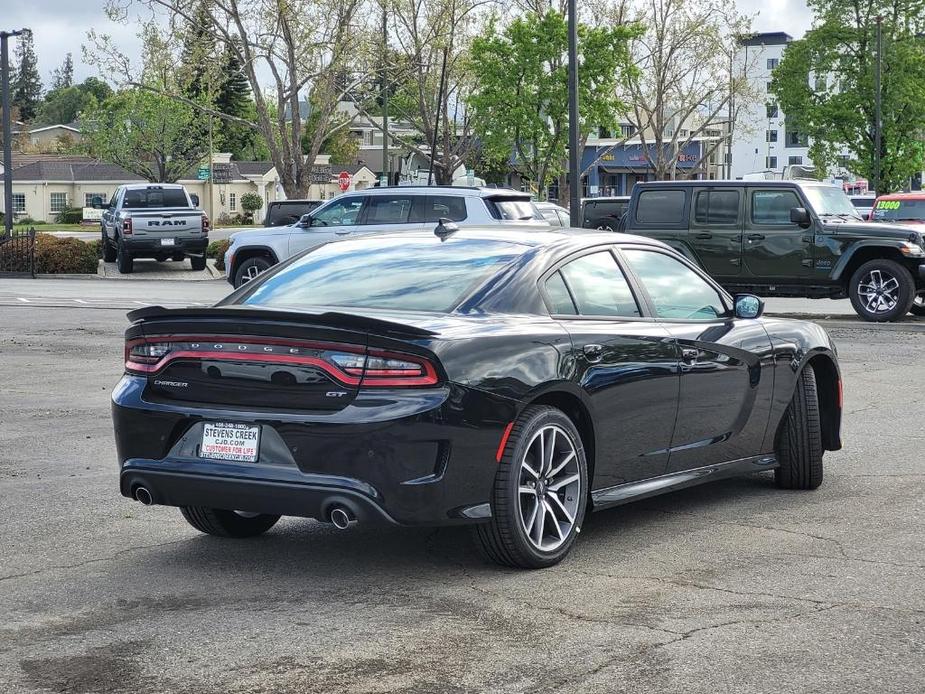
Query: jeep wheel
[124,261]
[881,290]
[109,253]
[250,268]
[918,305]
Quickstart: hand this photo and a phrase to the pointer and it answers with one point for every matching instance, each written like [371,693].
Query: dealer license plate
[230,441]
[168,242]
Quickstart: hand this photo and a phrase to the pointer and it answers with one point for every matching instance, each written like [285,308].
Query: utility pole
[386,162]
[574,156]
[878,118]
[7,131]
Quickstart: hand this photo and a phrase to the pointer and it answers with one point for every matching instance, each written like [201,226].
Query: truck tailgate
[167,223]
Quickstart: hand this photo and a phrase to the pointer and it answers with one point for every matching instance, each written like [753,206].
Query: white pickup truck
[153,220]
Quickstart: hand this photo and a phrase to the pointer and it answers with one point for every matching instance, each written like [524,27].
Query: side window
[676,290]
[716,207]
[559,299]
[660,207]
[773,206]
[599,287]
[339,213]
[382,209]
[449,206]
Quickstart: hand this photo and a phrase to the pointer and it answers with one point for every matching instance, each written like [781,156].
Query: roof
[915,195]
[253,168]
[148,184]
[67,126]
[758,183]
[605,198]
[450,190]
[773,38]
[73,171]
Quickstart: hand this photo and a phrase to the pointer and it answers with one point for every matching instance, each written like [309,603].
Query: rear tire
[109,253]
[222,523]
[250,268]
[881,290]
[799,438]
[124,261]
[538,501]
[198,263]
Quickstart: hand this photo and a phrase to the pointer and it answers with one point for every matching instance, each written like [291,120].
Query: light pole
[878,118]
[7,134]
[574,156]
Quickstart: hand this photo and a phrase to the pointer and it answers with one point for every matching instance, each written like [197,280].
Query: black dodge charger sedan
[512,380]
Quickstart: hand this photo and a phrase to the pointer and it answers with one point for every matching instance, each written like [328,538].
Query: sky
[61,26]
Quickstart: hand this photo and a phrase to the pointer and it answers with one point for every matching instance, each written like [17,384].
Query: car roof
[152,186]
[608,198]
[481,191]
[767,183]
[920,195]
[549,206]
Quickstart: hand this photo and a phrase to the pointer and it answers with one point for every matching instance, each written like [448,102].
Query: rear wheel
[250,268]
[124,261]
[881,290]
[197,262]
[216,521]
[109,253]
[799,439]
[540,493]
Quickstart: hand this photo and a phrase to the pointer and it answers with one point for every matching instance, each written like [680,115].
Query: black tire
[197,262]
[109,253]
[918,305]
[503,540]
[178,257]
[241,275]
[216,521]
[799,438]
[892,274]
[124,262]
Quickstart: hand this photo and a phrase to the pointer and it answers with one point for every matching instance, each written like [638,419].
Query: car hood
[880,230]
[247,234]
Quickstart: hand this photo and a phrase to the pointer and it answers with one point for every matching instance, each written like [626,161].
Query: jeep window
[383,209]
[900,211]
[520,209]
[676,290]
[338,213]
[660,207]
[152,198]
[716,207]
[829,201]
[772,207]
[448,206]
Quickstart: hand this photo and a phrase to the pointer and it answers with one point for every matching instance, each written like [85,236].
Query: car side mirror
[748,306]
[799,215]
[96,202]
[305,220]
[195,199]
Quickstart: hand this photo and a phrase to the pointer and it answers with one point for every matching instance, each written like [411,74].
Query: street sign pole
[7,131]
[573,153]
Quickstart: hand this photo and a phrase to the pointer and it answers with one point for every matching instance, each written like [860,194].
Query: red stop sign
[344,180]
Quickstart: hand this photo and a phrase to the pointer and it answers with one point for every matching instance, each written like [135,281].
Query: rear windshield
[512,209]
[154,197]
[415,274]
[900,210]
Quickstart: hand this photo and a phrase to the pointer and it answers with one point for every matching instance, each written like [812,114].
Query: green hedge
[217,250]
[72,215]
[55,255]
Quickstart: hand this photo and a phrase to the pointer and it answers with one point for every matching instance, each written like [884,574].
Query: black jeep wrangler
[785,238]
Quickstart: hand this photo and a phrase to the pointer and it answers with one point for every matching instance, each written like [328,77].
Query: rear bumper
[153,247]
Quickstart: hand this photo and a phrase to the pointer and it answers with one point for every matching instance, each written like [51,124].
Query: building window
[796,139]
[233,202]
[795,160]
[773,63]
[603,133]
[820,84]
[843,161]
[88,198]
[627,130]
[770,162]
[767,87]
[772,110]
[58,202]
[682,133]
[19,203]
[770,136]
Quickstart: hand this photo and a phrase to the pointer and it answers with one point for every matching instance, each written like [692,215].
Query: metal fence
[17,254]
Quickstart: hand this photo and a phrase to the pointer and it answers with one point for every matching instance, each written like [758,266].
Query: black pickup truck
[786,238]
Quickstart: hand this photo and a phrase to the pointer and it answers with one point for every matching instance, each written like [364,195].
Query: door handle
[689,355]
[704,235]
[593,353]
[755,237]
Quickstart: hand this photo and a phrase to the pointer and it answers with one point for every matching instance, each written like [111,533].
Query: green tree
[234,99]
[520,104]
[196,74]
[151,135]
[65,104]
[825,85]
[26,91]
[250,203]
[63,77]
[340,144]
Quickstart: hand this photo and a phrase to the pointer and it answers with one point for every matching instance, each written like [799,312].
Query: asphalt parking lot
[733,587]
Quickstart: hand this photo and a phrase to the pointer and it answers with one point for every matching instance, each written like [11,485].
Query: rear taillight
[206,224]
[127,227]
[351,365]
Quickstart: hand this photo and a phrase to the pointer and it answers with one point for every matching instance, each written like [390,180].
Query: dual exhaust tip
[341,517]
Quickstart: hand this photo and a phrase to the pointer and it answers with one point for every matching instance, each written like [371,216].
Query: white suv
[376,210]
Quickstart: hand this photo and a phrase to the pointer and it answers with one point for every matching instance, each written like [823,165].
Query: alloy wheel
[549,488]
[250,273]
[879,291]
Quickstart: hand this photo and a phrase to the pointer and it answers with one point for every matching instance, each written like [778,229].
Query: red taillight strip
[507,432]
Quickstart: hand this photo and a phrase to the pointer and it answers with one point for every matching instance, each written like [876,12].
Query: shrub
[217,250]
[65,255]
[72,215]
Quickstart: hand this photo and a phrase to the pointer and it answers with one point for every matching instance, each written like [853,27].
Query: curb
[65,276]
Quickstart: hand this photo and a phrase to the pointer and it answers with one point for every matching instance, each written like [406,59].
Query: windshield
[830,201]
[415,274]
[900,211]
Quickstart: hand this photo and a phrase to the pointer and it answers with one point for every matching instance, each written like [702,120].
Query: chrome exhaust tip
[144,496]
[342,518]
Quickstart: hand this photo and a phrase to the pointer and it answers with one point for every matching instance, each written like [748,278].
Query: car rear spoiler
[334,319]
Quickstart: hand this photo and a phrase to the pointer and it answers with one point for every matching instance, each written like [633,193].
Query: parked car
[864,204]
[556,215]
[288,212]
[153,220]
[506,379]
[907,209]
[376,210]
[603,213]
[785,238]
